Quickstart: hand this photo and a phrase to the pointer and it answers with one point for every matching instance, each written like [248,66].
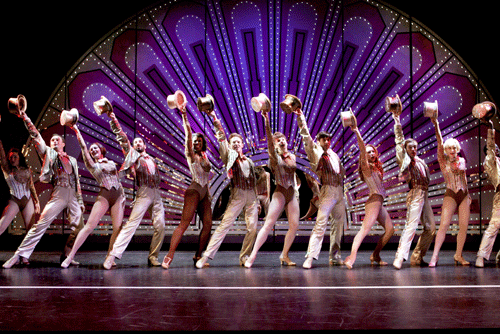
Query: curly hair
[375,166]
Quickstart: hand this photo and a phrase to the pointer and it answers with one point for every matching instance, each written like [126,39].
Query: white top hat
[103,106]
[260,103]
[176,100]
[205,104]
[290,104]
[484,111]
[17,104]
[431,109]
[393,105]
[348,118]
[69,117]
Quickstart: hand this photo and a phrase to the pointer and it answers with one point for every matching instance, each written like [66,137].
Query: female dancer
[371,172]
[456,196]
[111,194]
[283,166]
[23,195]
[197,196]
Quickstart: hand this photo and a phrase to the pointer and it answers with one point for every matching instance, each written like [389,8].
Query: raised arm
[439,139]
[3,159]
[221,138]
[40,145]
[491,165]
[188,134]
[273,155]
[363,160]
[121,136]
[87,159]
[399,140]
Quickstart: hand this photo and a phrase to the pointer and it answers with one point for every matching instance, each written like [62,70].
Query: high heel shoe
[459,260]
[376,260]
[349,262]
[166,262]
[433,263]
[285,261]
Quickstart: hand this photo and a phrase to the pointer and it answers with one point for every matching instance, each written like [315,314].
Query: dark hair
[323,134]
[22,160]
[101,147]
[58,135]
[202,136]
[410,140]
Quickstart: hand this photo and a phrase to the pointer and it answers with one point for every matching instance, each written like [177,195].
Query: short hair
[58,135]
[232,135]
[323,134]
[101,147]
[452,142]
[140,139]
[202,136]
[278,135]
[410,140]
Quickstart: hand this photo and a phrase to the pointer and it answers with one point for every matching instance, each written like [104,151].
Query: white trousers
[331,203]
[418,210]
[239,200]
[147,199]
[491,232]
[60,199]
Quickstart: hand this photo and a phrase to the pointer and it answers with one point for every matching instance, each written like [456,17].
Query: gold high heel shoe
[285,261]
[459,260]
[377,261]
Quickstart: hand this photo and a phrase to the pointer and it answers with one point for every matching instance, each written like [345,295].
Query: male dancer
[416,173]
[327,166]
[241,171]
[147,180]
[492,168]
[60,170]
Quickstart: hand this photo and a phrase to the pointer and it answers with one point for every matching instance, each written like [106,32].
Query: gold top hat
[290,104]
[69,117]
[431,109]
[393,105]
[484,111]
[103,106]
[176,100]
[205,104]
[260,103]
[17,104]
[348,118]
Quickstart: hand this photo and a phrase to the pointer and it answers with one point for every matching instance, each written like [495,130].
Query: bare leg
[448,209]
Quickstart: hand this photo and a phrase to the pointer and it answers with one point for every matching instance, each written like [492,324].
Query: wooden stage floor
[225,296]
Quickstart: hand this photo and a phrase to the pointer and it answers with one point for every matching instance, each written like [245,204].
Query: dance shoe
[335,262]
[243,259]
[307,263]
[201,262]
[166,262]
[376,260]
[285,261]
[11,262]
[480,262]
[433,262]
[153,262]
[349,262]
[460,261]
[249,262]
[398,262]
[108,263]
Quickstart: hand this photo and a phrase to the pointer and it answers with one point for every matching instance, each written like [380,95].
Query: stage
[225,296]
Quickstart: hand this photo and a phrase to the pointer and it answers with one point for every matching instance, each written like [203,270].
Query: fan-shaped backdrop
[333,55]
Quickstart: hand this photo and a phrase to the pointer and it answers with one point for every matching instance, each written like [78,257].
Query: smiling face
[57,143]
[198,143]
[236,143]
[14,159]
[95,152]
[281,144]
[139,145]
[452,148]
[325,143]
[371,154]
[411,148]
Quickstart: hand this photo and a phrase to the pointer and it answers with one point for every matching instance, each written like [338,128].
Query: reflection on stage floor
[226,296]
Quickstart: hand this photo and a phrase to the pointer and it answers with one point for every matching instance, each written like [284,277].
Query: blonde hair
[452,142]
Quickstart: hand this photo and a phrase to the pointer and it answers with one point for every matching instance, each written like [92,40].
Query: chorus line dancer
[328,167]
